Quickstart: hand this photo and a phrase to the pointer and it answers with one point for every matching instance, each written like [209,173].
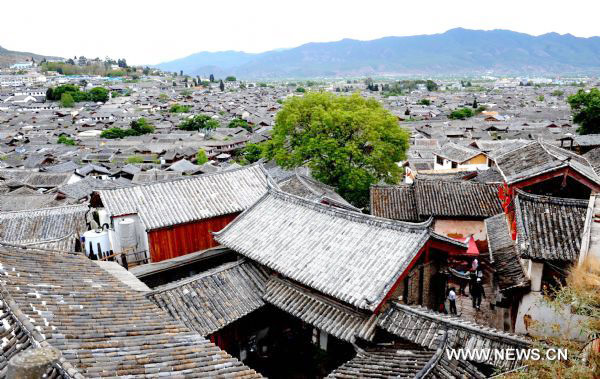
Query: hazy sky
[150,31]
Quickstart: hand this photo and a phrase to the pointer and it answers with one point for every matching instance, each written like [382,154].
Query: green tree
[300,89]
[177,108]
[251,153]
[585,107]
[222,85]
[135,159]
[98,94]
[461,114]
[66,100]
[475,106]
[141,126]
[239,123]
[199,122]
[425,102]
[201,157]
[349,142]
[163,97]
[541,98]
[66,140]
[115,133]
[211,78]
[230,79]
[431,85]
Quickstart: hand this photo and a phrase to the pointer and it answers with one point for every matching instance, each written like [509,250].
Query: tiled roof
[211,300]
[538,158]
[311,189]
[549,228]
[394,202]
[503,254]
[44,225]
[84,187]
[350,256]
[457,153]
[385,362]
[437,198]
[179,201]
[336,319]
[15,340]
[462,199]
[421,326]
[101,326]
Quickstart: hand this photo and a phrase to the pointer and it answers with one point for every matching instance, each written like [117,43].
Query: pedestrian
[452,301]
[477,293]
[474,265]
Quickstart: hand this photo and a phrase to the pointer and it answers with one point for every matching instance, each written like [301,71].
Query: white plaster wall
[545,320]
[464,227]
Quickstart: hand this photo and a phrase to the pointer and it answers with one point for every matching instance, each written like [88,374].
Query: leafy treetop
[585,107]
[349,142]
[199,122]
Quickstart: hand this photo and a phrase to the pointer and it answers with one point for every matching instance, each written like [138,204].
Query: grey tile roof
[334,318]
[539,157]
[15,340]
[84,187]
[420,325]
[394,202]
[457,153]
[180,201]
[587,140]
[18,202]
[593,156]
[152,176]
[311,189]
[549,228]
[503,254]
[68,166]
[214,299]
[184,166]
[42,225]
[101,326]
[47,179]
[437,198]
[385,362]
[352,257]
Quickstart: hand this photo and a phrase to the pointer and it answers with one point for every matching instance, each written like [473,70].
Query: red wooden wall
[178,240]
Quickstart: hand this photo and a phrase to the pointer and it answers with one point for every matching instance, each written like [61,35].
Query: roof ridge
[347,214]
[518,148]
[336,303]
[456,181]
[36,337]
[456,322]
[195,177]
[46,209]
[205,274]
[323,208]
[551,199]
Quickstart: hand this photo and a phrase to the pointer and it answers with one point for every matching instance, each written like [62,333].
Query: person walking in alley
[452,301]
[477,292]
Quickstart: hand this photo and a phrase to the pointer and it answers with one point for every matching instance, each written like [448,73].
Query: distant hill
[457,51]
[9,57]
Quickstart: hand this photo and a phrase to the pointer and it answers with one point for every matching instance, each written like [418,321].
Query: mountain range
[456,52]
[8,57]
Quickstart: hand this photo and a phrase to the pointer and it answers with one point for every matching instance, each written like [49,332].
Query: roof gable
[350,256]
[179,201]
[549,228]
